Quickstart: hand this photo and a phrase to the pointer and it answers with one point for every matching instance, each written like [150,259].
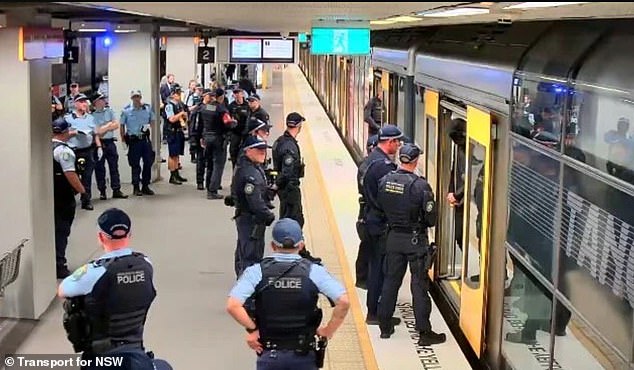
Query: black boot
[180,178]
[102,195]
[137,191]
[428,338]
[201,187]
[373,320]
[117,194]
[174,180]
[87,205]
[146,190]
[386,330]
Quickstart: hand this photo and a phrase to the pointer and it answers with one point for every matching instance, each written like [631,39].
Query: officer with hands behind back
[408,203]
[286,289]
[108,299]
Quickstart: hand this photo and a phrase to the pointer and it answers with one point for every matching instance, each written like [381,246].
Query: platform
[191,242]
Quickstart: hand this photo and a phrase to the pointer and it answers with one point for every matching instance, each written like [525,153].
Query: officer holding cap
[361,264]
[239,109]
[106,125]
[379,164]
[84,143]
[285,288]
[409,206]
[66,184]
[108,299]
[136,120]
[253,205]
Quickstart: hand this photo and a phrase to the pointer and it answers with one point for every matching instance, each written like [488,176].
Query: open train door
[476,226]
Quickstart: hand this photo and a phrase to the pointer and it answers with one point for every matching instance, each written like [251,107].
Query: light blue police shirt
[102,117]
[85,127]
[84,278]
[252,275]
[135,118]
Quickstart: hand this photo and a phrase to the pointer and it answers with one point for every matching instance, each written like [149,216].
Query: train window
[533,198]
[475,172]
[400,108]
[539,110]
[419,119]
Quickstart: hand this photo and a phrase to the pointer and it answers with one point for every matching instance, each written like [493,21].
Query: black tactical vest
[63,191]
[118,304]
[402,208]
[286,310]
[177,108]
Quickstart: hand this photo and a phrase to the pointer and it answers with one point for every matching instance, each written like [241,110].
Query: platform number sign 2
[206,54]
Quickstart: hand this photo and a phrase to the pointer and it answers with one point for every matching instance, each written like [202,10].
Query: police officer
[239,109]
[379,165]
[455,195]
[408,203]
[361,264]
[69,100]
[256,110]
[286,289]
[176,116]
[198,115]
[66,184]
[136,120]
[373,112]
[106,125]
[113,294]
[217,121]
[253,204]
[84,143]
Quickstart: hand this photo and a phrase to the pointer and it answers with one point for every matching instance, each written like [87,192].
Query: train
[545,280]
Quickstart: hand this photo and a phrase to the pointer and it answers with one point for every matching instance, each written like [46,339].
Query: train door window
[400,105]
[393,101]
[475,159]
[419,125]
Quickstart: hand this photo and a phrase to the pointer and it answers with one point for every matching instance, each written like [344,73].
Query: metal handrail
[10,266]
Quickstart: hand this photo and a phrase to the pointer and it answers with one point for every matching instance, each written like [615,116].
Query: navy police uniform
[378,165]
[409,207]
[239,112]
[108,300]
[361,263]
[137,122]
[286,289]
[253,208]
[258,113]
[198,116]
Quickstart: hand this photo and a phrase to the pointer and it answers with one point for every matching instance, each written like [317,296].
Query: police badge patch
[248,188]
[288,160]
[429,206]
[80,272]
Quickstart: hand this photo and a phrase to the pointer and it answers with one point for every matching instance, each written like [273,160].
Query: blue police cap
[372,141]
[408,153]
[219,92]
[389,132]
[208,92]
[80,97]
[60,125]
[115,223]
[257,124]
[294,119]
[254,142]
[176,89]
[287,233]
[98,97]
[254,97]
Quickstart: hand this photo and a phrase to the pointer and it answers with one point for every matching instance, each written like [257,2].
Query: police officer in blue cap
[361,264]
[285,288]
[409,206]
[253,204]
[108,299]
[379,164]
[176,115]
[239,109]
[199,115]
[66,185]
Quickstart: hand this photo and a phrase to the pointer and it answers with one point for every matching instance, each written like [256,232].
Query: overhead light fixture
[92,30]
[396,19]
[381,22]
[455,12]
[535,5]
[127,28]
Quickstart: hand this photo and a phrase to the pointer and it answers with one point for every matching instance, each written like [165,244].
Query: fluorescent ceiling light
[124,31]
[92,30]
[455,12]
[404,18]
[382,22]
[538,5]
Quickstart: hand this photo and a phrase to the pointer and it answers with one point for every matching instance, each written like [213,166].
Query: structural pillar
[26,195]
[181,59]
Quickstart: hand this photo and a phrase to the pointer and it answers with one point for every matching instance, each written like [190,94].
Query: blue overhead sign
[340,41]
[302,37]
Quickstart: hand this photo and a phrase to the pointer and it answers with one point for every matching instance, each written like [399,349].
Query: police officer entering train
[408,203]
[136,120]
[284,328]
[239,109]
[253,204]
[108,299]
[66,185]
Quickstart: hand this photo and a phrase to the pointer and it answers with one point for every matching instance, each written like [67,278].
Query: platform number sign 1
[206,54]
[71,54]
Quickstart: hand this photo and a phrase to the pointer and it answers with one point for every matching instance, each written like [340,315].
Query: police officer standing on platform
[198,115]
[84,144]
[108,299]
[136,120]
[361,264]
[409,206]
[256,110]
[286,287]
[106,126]
[379,165]
[239,109]
[176,116]
[253,204]
[66,184]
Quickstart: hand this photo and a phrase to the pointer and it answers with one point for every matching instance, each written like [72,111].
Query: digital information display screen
[249,50]
[262,50]
[278,49]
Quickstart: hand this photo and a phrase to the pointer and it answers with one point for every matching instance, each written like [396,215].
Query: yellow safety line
[357,312]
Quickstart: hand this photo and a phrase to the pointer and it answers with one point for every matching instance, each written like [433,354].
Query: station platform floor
[191,242]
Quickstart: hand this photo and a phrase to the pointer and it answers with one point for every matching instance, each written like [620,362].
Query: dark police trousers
[215,156]
[201,164]
[140,149]
[376,252]
[399,253]
[291,203]
[64,217]
[363,255]
[131,359]
[88,155]
[285,360]
[235,143]
[109,147]
[248,251]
